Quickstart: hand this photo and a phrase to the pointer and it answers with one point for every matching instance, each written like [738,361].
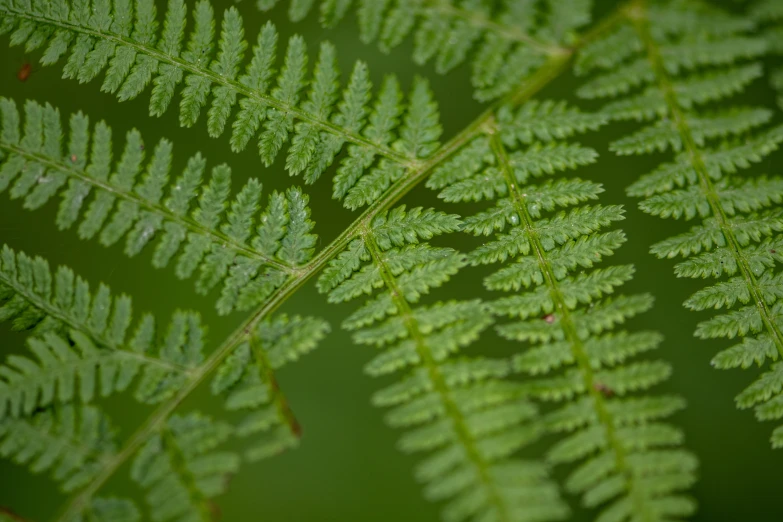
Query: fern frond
[276,107]
[461,410]
[630,462]
[227,242]
[68,442]
[740,223]
[180,468]
[505,42]
[83,338]
[767,10]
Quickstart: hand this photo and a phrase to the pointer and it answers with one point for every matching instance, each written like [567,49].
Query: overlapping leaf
[247,380]
[181,468]
[68,442]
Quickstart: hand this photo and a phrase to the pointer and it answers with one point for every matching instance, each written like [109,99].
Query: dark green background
[347,468]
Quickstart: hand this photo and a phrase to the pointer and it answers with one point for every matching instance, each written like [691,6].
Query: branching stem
[556,65]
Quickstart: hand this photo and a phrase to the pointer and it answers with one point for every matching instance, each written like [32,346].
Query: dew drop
[513,219]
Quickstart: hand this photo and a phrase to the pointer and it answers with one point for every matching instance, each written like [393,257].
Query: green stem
[705,181]
[556,66]
[566,322]
[439,385]
[294,282]
[161,210]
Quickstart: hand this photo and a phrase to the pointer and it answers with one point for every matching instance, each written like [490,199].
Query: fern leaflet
[180,470]
[253,389]
[459,408]
[629,460]
[250,258]
[738,233]
[767,13]
[69,442]
[106,509]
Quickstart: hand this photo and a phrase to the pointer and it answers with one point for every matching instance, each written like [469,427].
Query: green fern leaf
[460,410]
[212,236]
[739,225]
[567,317]
[470,414]
[81,337]
[247,379]
[768,15]
[109,509]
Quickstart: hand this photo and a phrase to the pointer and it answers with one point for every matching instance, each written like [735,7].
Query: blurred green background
[347,468]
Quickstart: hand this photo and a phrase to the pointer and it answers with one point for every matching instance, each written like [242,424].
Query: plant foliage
[769,16]
[573,379]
